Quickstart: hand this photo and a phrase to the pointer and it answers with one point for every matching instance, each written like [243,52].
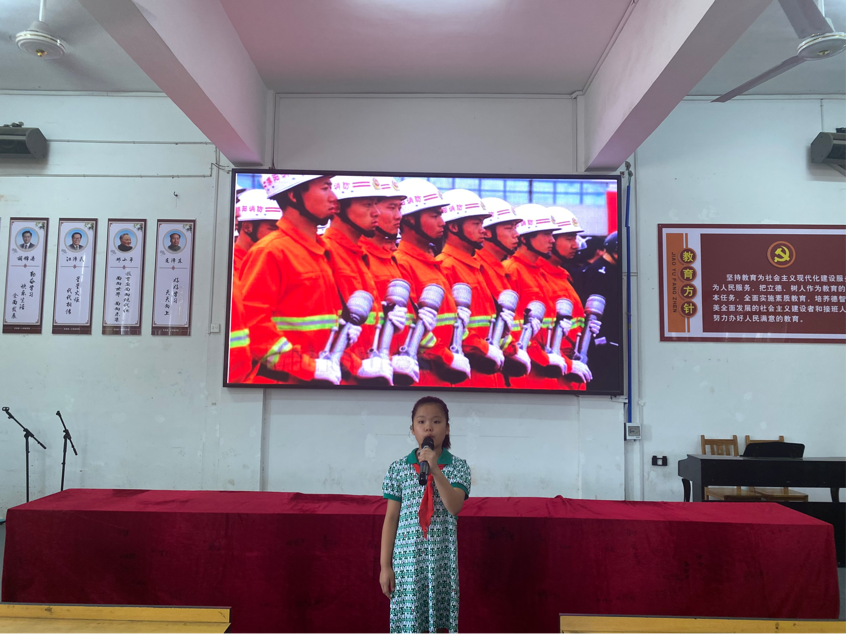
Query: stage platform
[291,562]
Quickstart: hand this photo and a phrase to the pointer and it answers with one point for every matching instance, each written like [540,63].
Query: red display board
[764,283]
[288,562]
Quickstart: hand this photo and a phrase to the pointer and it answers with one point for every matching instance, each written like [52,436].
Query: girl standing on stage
[419,555]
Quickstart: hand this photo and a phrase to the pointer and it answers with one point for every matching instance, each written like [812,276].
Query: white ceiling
[430,46]
[768,42]
[409,46]
[93,61]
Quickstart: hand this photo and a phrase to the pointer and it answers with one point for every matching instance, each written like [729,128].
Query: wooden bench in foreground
[593,623]
[42,617]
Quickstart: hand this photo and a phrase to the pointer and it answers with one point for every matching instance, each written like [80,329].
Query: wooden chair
[43,617]
[777,494]
[727,447]
[584,624]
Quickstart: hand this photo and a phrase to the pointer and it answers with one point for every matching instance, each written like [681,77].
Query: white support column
[663,51]
[201,65]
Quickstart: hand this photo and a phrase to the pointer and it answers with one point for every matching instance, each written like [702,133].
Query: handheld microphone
[431,297]
[507,300]
[358,307]
[424,466]
[463,295]
[534,310]
[594,307]
[563,310]
[396,294]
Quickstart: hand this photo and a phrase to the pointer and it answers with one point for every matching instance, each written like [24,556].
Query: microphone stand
[27,435]
[65,448]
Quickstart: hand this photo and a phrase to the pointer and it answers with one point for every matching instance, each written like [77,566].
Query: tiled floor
[841,574]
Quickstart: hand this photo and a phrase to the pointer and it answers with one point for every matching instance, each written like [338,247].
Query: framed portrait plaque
[24,302]
[76,256]
[172,287]
[124,293]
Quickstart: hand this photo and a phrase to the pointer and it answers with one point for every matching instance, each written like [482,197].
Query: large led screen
[420,281]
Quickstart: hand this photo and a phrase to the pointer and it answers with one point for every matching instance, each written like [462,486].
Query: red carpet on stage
[310,563]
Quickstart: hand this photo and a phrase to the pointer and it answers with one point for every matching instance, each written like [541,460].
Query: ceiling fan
[819,41]
[37,39]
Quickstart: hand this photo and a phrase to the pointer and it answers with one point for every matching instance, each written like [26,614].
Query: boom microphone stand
[65,447]
[27,435]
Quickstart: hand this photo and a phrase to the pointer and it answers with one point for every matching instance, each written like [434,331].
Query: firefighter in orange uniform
[501,241]
[257,216]
[291,303]
[526,272]
[422,229]
[382,245]
[240,361]
[561,286]
[356,219]
[464,237]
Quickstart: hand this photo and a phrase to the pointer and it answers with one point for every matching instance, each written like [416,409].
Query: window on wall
[523,191]
[516,191]
[250,181]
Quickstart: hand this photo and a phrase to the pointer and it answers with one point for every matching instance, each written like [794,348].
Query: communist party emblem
[781,254]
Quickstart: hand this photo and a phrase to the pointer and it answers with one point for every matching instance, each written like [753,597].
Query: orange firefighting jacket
[291,303]
[238,255]
[384,268]
[560,284]
[458,266]
[497,278]
[350,265]
[383,265]
[421,269]
[240,361]
[494,272]
[530,282]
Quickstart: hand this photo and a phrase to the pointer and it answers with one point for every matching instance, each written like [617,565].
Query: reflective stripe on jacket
[350,267]
[291,303]
[460,267]
[240,361]
[528,280]
[559,282]
[384,268]
[420,269]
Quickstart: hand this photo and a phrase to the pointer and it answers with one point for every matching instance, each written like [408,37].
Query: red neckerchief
[427,504]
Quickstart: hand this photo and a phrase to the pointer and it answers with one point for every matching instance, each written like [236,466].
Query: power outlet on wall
[659,462]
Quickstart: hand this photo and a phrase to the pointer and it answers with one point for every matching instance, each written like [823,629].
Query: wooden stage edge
[42,617]
[592,623]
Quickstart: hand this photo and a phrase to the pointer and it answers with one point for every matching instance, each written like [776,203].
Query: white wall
[145,412]
[410,133]
[149,412]
[745,161]
[325,442]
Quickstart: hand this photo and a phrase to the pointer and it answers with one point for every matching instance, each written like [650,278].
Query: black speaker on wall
[19,142]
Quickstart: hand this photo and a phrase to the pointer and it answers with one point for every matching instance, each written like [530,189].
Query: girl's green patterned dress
[426,570]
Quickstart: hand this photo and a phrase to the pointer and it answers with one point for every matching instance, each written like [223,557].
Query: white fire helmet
[534,218]
[254,205]
[565,221]
[501,211]
[462,203]
[420,195]
[346,187]
[389,187]
[277,183]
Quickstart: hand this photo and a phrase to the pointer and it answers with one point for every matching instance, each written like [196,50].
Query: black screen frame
[617,177]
